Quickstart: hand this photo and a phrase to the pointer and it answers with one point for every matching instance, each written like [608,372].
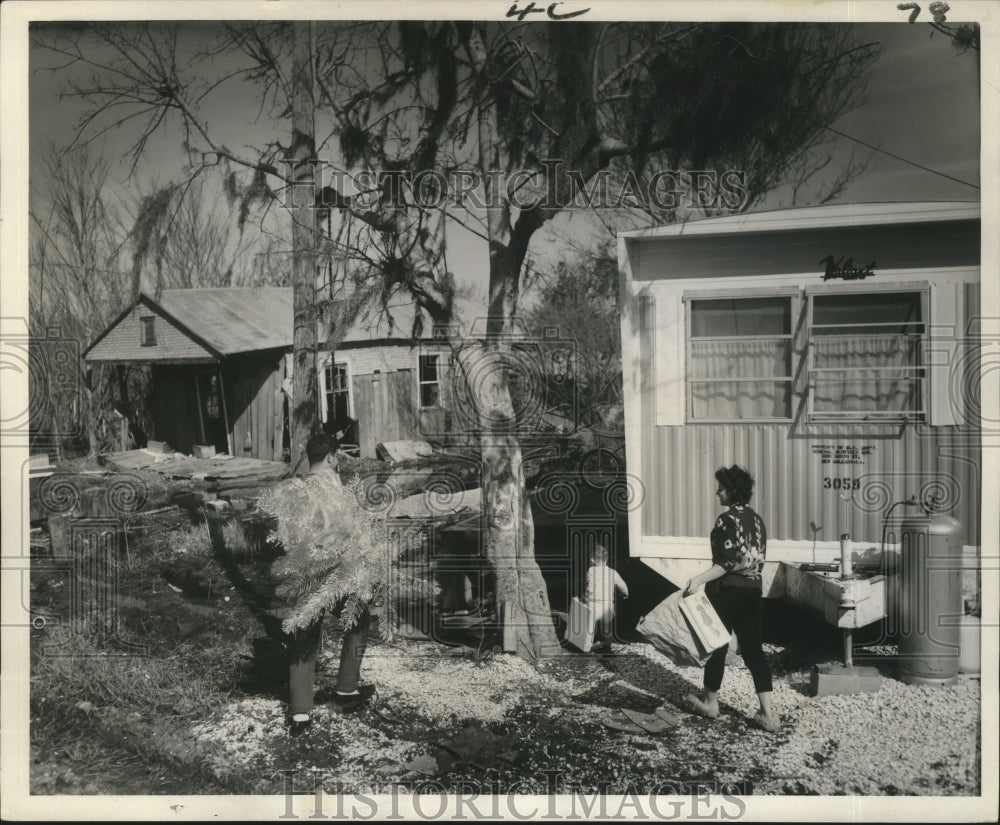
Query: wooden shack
[833,351]
[220,356]
[392,384]
[218,360]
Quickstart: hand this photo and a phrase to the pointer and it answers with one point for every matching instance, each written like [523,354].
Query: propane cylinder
[845,556]
[930,608]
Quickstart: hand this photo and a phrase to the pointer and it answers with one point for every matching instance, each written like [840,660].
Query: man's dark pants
[304,649]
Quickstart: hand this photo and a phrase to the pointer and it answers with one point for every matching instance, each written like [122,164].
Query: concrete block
[832,679]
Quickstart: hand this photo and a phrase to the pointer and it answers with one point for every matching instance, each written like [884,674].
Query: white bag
[669,630]
[704,621]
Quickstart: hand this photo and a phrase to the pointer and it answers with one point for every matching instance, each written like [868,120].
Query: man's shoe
[296,727]
[351,701]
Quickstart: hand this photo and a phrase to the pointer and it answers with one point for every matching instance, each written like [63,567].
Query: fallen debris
[405,450]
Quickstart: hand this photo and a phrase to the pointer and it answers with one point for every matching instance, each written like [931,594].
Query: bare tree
[77,276]
[579,297]
[204,246]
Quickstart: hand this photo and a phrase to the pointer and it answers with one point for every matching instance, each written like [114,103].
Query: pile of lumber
[219,474]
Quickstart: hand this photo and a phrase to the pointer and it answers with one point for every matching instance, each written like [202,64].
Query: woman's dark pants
[741,609]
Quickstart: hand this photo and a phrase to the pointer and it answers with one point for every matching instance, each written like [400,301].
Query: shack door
[212,411]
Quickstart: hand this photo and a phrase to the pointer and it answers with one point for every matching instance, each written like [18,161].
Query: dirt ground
[199,706]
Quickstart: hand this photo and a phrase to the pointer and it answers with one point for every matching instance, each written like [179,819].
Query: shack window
[739,360]
[866,355]
[337,395]
[147,331]
[430,387]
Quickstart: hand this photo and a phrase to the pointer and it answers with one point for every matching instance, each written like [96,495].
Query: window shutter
[944,355]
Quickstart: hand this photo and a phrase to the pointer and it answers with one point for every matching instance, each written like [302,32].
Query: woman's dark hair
[737,482]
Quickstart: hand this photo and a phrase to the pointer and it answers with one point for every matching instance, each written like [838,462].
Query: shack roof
[234,320]
[201,326]
[204,325]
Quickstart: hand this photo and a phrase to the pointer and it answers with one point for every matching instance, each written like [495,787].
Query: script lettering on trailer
[844,268]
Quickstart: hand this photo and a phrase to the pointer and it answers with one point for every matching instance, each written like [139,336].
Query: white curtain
[740,359]
[859,389]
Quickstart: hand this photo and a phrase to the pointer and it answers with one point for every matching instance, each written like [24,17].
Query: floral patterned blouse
[739,541]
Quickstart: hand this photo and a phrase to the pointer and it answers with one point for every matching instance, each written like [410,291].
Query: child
[602,581]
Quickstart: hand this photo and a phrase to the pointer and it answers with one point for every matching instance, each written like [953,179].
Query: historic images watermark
[550,187]
[86,513]
[671,799]
[51,411]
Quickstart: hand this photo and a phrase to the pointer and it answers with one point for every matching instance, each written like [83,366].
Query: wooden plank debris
[404,450]
[215,473]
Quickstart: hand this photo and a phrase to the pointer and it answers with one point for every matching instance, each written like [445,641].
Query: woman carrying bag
[733,586]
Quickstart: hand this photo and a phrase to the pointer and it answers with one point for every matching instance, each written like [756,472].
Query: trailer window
[866,355]
[739,359]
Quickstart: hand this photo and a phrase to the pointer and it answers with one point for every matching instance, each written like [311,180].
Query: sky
[922,105]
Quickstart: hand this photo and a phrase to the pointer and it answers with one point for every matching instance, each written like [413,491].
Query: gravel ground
[905,739]
[485,692]
[901,740]
[250,738]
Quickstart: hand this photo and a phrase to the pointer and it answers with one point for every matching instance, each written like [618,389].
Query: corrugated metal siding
[122,343]
[654,510]
[679,462]
[680,465]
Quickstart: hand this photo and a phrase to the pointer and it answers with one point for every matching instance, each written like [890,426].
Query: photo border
[14,155]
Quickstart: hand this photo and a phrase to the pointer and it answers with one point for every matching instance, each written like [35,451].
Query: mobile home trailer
[832,351]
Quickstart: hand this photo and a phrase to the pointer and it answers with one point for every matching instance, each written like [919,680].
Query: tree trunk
[91,404]
[303,411]
[510,530]
[510,547]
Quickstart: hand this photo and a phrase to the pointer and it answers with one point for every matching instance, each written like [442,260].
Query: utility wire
[904,160]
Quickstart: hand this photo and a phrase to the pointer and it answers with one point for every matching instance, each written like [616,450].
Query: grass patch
[94,700]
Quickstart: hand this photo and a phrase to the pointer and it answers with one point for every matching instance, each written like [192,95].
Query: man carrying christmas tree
[333,561]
